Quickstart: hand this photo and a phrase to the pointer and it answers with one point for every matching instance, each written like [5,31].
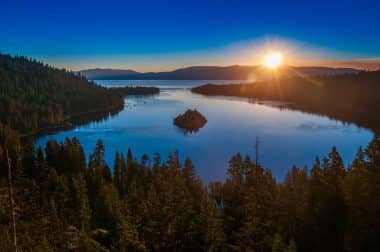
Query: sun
[273,60]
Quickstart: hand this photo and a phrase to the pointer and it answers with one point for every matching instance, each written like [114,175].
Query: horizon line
[364,64]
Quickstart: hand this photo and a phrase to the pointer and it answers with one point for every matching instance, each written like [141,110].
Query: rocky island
[190,121]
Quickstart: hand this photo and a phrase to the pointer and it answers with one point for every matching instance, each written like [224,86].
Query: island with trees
[190,121]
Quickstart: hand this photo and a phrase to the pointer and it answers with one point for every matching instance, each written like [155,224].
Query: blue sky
[158,35]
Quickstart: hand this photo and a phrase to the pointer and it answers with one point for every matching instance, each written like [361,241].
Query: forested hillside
[56,199]
[34,95]
[64,202]
[353,98]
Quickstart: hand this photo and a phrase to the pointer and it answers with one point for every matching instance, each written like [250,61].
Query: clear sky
[163,35]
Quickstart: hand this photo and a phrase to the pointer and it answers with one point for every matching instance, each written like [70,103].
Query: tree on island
[190,121]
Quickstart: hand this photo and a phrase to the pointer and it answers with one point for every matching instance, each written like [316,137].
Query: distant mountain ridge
[101,73]
[235,72]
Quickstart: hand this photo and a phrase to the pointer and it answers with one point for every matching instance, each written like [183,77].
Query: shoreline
[257,93]
[71,121]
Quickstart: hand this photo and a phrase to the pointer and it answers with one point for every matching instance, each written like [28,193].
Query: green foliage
[165,206]
[35,96]
[63,203]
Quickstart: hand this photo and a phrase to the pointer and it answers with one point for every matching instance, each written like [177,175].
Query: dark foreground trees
[64,203]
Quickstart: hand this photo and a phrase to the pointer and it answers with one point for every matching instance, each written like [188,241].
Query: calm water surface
[286,137]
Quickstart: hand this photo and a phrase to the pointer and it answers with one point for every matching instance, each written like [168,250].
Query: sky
[164,35]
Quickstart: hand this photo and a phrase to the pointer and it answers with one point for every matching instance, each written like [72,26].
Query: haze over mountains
[235,72]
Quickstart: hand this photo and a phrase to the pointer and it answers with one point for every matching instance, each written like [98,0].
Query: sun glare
[273,60]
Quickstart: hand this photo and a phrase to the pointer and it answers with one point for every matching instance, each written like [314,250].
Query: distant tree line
[131,90]
[353,98]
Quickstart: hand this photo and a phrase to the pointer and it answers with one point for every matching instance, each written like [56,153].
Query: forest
[352,98]
[63,202]
[35,96]
[56,199]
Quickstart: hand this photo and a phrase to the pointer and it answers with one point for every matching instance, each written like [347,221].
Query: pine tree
[294,199]
[82,204]
[211,226]
[40,167]
[117,172]
[335,204]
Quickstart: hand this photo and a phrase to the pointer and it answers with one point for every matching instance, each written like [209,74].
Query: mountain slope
[101,73]
[34,95]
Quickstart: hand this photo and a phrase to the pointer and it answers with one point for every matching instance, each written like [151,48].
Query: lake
[146,126]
